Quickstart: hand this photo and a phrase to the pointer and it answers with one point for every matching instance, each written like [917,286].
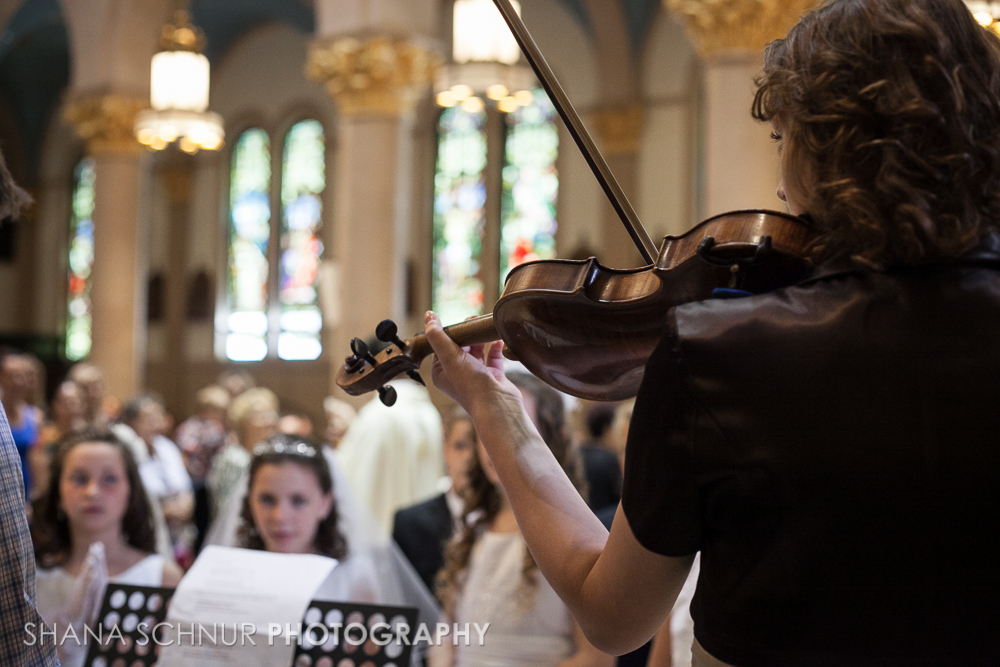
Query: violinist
[829,447]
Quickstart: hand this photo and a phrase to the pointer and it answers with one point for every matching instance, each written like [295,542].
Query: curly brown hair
[283,449]
[50,530]
[483,501]
[894,107]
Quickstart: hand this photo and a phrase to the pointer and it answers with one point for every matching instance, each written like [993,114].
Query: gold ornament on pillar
[376,75]
[742,25]
[620,130]
[105,122]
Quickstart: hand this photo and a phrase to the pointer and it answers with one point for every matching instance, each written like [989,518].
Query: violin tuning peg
[361,351]
[387,395]
[388,332]
[415,376]
[359,347]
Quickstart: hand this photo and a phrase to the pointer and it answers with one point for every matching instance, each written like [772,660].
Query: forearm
[619,591]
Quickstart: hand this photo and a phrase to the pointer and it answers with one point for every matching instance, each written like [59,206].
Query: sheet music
[243,593]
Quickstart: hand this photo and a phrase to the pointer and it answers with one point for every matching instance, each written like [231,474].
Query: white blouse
[529,625]
[54,586]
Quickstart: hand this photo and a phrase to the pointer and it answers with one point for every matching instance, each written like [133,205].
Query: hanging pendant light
[485,61]
[178,93]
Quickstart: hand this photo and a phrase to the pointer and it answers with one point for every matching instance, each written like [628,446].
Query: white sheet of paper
[227,588]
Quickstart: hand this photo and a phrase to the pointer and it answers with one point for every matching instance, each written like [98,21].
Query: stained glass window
[81,262]
[459,214]
[249,234]
[530,185]
[303,178]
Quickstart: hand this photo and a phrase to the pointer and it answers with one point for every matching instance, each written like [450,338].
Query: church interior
[330,188]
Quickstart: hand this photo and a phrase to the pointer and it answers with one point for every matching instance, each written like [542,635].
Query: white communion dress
[529,625]
[54,588]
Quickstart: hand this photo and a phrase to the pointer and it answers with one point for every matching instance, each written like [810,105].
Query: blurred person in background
[98,408]
[392,456]
[339,417]
[17,563]
[163,473]
[489,575]
[200,438]
[423,530]
[253,416]
[235,381]
[600,462]
[17,382]
[295,424]
[93,524]
[66,416]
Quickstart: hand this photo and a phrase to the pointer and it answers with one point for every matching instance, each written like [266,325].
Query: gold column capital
[741,25]
[106,122]
[619,129]
[372,75]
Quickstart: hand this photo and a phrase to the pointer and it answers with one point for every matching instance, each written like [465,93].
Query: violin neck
[476,331]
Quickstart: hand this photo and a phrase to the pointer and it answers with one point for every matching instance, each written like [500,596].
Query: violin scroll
[364,372]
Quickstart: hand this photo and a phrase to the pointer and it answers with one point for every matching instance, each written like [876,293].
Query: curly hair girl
[51,531]
[483,499]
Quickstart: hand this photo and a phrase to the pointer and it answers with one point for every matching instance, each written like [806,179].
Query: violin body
[588,330]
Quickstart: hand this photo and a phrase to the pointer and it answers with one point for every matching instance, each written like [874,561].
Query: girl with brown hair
[830,447]
[490,577]
[94,524]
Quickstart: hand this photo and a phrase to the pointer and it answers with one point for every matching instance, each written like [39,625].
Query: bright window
[459,214]
[249,237]
[530,185]
[525,196]
[81,262]
[303,178]
[273,304]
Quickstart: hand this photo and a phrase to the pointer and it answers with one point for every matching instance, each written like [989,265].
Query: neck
[114,545]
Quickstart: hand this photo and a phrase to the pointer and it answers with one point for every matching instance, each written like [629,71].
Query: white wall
[667,160]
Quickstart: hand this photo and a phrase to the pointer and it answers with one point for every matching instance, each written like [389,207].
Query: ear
[327,505]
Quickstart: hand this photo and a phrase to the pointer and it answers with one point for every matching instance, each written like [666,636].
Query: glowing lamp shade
[481,34]
[179,81]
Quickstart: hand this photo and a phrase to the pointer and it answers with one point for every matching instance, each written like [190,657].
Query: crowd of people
[117,491]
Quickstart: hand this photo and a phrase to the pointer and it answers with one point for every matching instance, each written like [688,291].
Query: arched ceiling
[35,56]
[34,70]
[224,21]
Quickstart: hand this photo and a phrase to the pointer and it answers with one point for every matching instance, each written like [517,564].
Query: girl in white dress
[290,508]
[490,577]
[93,524]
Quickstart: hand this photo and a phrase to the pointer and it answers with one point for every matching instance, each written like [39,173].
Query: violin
[585,329]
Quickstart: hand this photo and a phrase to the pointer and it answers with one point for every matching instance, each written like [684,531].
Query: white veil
[370,549]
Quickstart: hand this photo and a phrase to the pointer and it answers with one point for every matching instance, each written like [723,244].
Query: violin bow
[579,132]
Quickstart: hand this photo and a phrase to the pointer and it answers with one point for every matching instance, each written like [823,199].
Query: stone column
[741,161]
[118,295]
[376,82]
[619,131]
